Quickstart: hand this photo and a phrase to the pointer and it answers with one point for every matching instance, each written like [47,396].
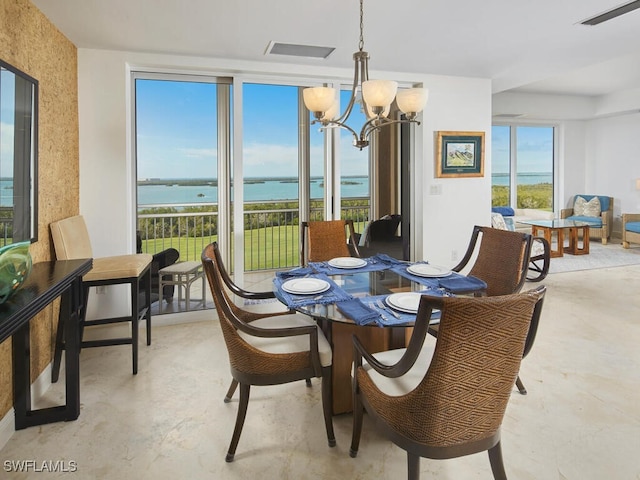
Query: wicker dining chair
[502,261]
[448,400]
[540,255]
[324,240]
[268,350]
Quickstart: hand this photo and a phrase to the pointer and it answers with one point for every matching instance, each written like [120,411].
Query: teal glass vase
[15,267]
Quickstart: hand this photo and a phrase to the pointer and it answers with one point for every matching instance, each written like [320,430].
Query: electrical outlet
[101,290]
[454,255]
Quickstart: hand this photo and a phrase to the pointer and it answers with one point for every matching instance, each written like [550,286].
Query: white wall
[107,184]
[597,151]
[614,163]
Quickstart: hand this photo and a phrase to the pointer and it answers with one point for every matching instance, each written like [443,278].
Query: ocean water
[255,190]
[523,178]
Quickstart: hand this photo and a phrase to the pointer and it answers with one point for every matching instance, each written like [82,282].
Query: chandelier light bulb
[412,100]
[319,99]
[377,97]
[379,93]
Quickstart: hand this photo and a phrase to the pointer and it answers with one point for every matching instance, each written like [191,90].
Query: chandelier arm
[360,74]
[370,127]
[328,123]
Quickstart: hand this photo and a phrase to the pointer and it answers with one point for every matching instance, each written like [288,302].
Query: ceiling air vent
[508,115]
[295,50]
[613,13]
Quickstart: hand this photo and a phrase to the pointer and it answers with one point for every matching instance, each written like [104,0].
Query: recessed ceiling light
[295,50]
[613,13]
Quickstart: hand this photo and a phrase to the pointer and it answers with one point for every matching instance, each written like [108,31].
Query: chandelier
[377,97]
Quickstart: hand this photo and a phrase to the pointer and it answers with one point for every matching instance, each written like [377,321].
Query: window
[523,161]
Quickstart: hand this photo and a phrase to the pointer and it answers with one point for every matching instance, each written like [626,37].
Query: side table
[183,274]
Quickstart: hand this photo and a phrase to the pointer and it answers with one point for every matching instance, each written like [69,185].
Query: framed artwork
[459,154]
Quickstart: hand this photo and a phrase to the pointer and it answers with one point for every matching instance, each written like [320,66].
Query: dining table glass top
[559,223]
[377,291]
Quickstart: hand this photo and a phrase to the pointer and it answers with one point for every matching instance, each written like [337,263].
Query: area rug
[600,256]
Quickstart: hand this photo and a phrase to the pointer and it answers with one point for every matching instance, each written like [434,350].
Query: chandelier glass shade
[376,98]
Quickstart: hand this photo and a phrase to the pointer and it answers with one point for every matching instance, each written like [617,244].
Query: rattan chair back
[324,240]
[458,406]
[502,259]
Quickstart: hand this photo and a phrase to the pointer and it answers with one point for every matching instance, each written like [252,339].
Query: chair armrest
[566,212]
[630,217]
[412,351]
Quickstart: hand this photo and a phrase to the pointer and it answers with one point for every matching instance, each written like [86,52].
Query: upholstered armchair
[596,209]
[630,229]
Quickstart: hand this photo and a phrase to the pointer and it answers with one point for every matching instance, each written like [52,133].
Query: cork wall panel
[31,43]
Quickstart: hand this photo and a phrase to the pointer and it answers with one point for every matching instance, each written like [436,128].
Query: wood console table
[47,281]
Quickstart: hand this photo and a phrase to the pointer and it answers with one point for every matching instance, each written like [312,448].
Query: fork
[384,307]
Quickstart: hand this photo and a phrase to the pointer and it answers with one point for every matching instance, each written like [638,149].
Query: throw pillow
[582,208]
[497,221]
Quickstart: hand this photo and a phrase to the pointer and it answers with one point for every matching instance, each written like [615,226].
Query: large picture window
[523,165]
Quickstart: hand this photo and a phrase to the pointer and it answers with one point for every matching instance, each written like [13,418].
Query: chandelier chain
[361,44]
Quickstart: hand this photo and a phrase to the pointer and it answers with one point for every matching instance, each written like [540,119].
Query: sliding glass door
[289,169]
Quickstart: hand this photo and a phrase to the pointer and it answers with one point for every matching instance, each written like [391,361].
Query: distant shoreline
[213,182]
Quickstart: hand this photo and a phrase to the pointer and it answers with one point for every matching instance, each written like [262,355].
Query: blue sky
[534,152]
[176,132]
[7,105]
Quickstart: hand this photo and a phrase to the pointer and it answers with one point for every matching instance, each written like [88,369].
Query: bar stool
[183,275]
[71,241]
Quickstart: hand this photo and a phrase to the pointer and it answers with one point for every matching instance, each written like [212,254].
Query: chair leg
[326,405]
[231,391]
[413,466]
[358,413]
[497,466]
[242,413]
[520,386]
[147,304]
[135,317]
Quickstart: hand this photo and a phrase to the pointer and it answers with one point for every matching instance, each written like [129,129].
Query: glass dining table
[374,298]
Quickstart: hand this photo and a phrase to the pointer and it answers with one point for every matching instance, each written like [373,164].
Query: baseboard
[167,319]
[38,389]
[7,427]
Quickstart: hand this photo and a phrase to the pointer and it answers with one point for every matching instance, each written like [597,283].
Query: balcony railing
[271,232]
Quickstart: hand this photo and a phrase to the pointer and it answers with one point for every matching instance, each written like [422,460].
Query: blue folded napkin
[296,272]
[401,269]
[372,265]
[462,284]
[358,311]
[389,260]
[332,295]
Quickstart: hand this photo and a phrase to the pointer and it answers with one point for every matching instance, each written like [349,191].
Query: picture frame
[459,154]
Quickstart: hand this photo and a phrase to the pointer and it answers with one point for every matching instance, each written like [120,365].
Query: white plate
[405,302]
[428,270]
[347,262]
[305,286]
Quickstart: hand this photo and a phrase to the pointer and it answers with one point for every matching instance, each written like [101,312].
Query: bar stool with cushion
[71,241]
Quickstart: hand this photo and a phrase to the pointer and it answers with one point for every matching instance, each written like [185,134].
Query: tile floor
[580,420]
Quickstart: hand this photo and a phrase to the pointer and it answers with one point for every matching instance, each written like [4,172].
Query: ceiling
[533,46]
